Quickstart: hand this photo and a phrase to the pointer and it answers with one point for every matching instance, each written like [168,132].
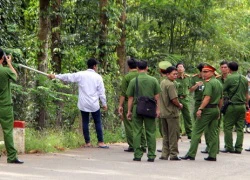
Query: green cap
[164,65]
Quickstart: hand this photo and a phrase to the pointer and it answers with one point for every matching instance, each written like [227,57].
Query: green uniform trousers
[186,116]
[6,121]
[150,129]
[171,131]
[234,116]
[128,125]
[209,120]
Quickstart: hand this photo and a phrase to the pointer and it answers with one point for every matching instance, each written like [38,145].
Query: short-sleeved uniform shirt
[5,92]
[183,84]
[214,89]
[148,86]
[199,91]
[125,82]
[231,84]
[168,93]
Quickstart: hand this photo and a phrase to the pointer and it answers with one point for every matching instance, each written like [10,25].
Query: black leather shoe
[151,160]
[226,151]
[205,151]
[187,157]
[129,150]
[163,158]
[176,158]
[159,150]
[237,152]
[247,149]
[137,159]
[210,159]
[16,161]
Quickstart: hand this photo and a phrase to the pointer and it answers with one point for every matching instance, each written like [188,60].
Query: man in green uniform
[236,87]
[123,106]
[147,86]
[169,113]
[163,65]
[207,115]
[183,82]
[6,106]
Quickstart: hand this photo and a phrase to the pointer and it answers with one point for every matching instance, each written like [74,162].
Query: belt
[182,96]
[237,103]
[211,106]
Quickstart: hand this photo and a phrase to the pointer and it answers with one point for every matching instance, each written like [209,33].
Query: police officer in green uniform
[123,106]
[6,106]
[169,113]
[236,87]
[183,82]
[207,115]
[147,86]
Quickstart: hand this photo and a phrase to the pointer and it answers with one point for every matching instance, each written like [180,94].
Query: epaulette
[218,76]
[186,75]
[195,75]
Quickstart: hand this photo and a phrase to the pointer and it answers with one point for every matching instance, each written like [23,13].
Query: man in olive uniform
[169,113]
[163,65]
[147,86]
[183,83]
[6,106]
[123,106]
[236,87]
[207,115]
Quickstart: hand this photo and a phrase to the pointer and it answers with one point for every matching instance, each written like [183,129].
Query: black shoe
[226,151]
[137,159]
[187,157]
[151,160]
[16,161]
[247,149]
[129,150]
[210,159]
[237,152]
[163,158]
[205,151]
[176,158]
[159,150]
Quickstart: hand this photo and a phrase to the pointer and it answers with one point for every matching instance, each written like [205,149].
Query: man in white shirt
[91,89]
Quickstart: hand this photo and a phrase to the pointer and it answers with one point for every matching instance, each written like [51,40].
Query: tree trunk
[103,33]
[55,37]
[121,48]
[42,56]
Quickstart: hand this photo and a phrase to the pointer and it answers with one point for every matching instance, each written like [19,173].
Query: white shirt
[90,87]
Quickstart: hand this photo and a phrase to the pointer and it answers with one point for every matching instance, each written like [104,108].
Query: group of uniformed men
[172,96]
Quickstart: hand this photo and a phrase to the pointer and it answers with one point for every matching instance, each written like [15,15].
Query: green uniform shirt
[125,82]
[168,93]
[214,89]
[183,85]
[231,84]
[148,86]
[199,91]
[5,94]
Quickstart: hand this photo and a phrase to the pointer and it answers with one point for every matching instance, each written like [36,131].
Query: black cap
[92,62]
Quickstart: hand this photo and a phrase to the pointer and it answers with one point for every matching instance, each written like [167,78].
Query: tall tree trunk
[103,33]
[56,37]
[121,48]
[42,56]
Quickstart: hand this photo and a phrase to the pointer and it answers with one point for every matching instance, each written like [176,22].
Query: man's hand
[157,113]
[120,111]
[51,76]
[129,115]
[181,106]
[8,59]
[105,108]
[198,113]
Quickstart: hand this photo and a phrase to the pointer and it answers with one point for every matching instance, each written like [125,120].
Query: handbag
[146,106]
[227,101]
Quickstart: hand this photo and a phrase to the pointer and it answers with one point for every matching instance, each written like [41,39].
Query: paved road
[113,163]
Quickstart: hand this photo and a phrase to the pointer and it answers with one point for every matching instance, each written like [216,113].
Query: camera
[4,59]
